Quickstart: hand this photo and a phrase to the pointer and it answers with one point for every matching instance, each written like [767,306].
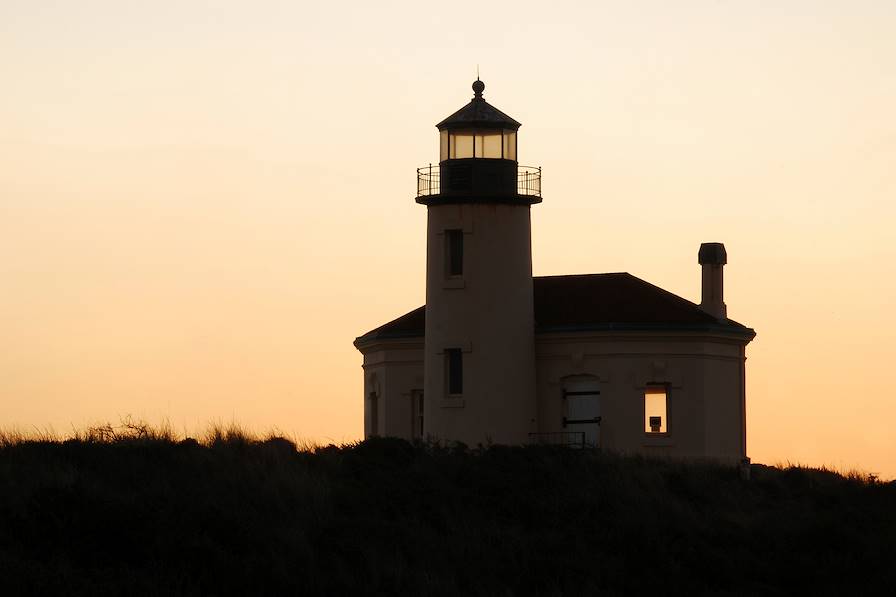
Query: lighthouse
[594,361]
[479,346]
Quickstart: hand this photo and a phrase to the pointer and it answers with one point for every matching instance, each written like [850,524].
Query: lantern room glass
[495,145]
[510,145]
[491,145]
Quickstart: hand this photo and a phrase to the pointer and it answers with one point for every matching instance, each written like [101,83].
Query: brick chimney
[712,258]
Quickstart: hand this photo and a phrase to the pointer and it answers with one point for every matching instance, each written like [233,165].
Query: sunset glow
[202,205]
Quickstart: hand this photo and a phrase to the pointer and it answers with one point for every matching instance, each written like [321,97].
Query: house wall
[392,370]
[726,431]
[702,374]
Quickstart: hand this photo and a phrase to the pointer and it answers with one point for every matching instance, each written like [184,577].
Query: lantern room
[487,144]
[478,159]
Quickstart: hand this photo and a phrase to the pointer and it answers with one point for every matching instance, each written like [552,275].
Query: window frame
[374,399]
[454,372]
[454,253]
[645,423]
[448,144]
[417,414]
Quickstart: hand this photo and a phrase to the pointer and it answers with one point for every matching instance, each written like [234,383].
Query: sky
[203,203]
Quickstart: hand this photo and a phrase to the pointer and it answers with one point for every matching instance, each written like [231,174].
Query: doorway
[582,398]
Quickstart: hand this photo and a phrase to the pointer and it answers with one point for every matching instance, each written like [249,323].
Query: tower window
[454,369]
[454,251]
[655,415]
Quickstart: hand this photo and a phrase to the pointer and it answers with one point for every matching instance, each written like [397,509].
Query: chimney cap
[712,254]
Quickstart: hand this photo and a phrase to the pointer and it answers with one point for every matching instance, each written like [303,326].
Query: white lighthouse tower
[479,347]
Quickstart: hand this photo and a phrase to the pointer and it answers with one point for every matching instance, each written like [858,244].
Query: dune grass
[140,510]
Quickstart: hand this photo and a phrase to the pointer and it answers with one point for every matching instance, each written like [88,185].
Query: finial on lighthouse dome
[478,87]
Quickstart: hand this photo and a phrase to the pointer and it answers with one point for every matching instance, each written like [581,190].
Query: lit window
[461,145]
[473,144]
[454,369]
[454,252]
[509,145]
[655,417]
[491,146]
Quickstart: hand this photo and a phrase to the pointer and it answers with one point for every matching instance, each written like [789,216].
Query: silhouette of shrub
[280,445]
[188,443]
[139,512]
[384,452]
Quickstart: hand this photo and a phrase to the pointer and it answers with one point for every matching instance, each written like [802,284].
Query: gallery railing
[570,439]
[428,181]
[528,181]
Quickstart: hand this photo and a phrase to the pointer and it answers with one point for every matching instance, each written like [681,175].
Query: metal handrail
[428,181]
[528,181]
[571,439]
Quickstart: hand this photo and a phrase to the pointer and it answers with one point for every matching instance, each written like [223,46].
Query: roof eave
[456,120]
[744,333]
[368,341]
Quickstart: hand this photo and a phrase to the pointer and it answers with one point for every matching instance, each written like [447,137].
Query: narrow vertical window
[454,365]
[460,145]
[655,417]
[491,146]
[374,415]
[509,145]
[454,252]
[417,413]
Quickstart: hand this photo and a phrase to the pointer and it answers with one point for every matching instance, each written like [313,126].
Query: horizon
[202,210]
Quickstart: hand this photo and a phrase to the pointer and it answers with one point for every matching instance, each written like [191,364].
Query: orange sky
[202,204]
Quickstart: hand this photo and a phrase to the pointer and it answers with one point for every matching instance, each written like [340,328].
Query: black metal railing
[428,182]
[528,181]
[570,439]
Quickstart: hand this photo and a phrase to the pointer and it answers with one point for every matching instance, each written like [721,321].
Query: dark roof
[409,325]
[593,302]
[602,299]
[479,113]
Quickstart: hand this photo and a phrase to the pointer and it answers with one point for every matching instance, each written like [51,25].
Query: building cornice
[717,332]
[546,334]
[367,344]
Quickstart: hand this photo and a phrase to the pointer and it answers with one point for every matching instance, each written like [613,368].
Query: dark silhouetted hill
[141,513]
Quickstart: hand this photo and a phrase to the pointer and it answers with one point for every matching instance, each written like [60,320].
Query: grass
[137,510]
